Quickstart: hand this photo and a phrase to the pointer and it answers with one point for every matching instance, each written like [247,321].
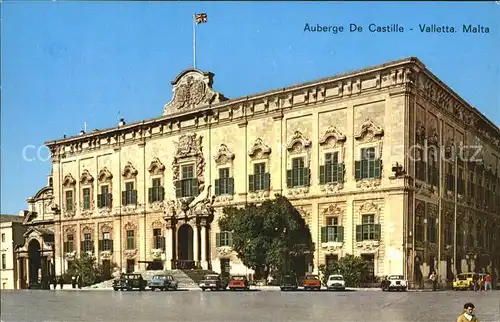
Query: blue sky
[66,63]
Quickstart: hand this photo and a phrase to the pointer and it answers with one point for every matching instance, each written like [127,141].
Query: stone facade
[339,148]
[11,232]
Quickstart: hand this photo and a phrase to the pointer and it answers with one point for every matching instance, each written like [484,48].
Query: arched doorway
[35,261]
[185,243]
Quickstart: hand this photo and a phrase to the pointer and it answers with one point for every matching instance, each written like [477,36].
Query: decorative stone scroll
[224,252]
[192,88]
[332,137]
[156,167]
[369,131]
[69,181]
[157,224]
[130,226]
[259,150]
[224,155]
[298,143]
[129,172]
[86,178]
[105,175]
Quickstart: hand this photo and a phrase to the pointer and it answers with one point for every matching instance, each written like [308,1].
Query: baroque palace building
[345,150]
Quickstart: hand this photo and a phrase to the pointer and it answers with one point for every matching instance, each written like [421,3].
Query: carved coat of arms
[189,94]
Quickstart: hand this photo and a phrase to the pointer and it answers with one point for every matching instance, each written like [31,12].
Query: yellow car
[465,281]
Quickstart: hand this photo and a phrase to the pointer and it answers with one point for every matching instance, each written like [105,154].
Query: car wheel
[203,289]
[153,289]
[115,288]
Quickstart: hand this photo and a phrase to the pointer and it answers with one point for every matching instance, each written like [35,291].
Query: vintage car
[312,282]
[335,282]
[129,282]
[212,282]
[289,283]
[163,283]
[394,282]
[465,281]
[239,283]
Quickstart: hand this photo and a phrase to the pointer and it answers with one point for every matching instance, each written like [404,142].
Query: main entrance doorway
[185,255]
[34,263]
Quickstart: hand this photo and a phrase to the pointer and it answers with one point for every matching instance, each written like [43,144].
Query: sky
[64,63]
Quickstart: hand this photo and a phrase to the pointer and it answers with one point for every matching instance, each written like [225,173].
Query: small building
[11,232]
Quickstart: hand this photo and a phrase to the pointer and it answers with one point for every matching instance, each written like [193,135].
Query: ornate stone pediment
[157,253]
[433,138]
[432,210]
[369,207]
[157,224]
[129,171]
[87,229]
[368,246]
[70,230]
[333,210]
[420,208]
[259,150]
[130,226]
[188,145]
[224,155]
[106,228]
[130,253]
[156,167]
[224,252]
[298,143]
[332,136]
[69,181]
[369,131]
[104,175]
[332,247]
[106,254]
[192,88]
[86,177]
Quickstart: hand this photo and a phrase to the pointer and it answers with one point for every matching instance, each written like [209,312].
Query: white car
[335,282]
[394,282]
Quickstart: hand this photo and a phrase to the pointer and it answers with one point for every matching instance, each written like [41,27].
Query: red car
[312,282]
[239,283]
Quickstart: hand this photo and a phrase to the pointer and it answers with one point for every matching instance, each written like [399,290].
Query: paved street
[243,306]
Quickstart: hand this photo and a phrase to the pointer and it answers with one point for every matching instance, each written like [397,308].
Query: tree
[267,236]
[350,266]
[87,268]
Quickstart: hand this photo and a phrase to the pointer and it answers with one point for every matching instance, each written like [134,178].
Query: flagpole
[194,40]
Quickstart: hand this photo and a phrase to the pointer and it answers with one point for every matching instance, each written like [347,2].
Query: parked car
[394,282]
[465,281]
[335,282]
[163,283]
[289,282]
[212,282]
[130,282]
[239,283]
[312,282]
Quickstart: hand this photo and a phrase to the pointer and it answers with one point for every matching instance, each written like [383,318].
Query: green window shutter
[359,233]
[340,233]
[161,192]
[231,185]
[340,172]
[124,197]
[377,168]
[250,183]
[357,170]
[322,179]
[134,197]
[289,178]
[99,203]
[267,181]
[178,188]
[217,240]
[150,194]
[376,234]
[194,187]
[323,234]
[305,174]
[65,247]
[217,188]
[230,239]
[82,246]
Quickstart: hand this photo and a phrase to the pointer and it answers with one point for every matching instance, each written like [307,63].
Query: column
[168,248]
[204,263]
[195,245]
[19,274]
[27,264]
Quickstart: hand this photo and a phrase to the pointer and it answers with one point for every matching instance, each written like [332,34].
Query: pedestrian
[79,281]
[433,279]
[61,282]
[468,315]
[73,281]
[54,282]
[487,282]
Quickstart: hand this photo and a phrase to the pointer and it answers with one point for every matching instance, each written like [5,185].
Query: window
[86,198]
[432,167]
[224,238]
[130,239]
[3,237]
[368,230]
[69,200]
[104,199]
[332,171]
[450,177]
[106,244]
[330,260]
[129,196]
[299,175]
[224,185]
[259,180]
[368,167]
[158,239]
[69,244]
[188,185]
[370,265]
[156,192]
[432,230]
[332,232]
[420,165]
[4,261]
[87,243]
[419,228]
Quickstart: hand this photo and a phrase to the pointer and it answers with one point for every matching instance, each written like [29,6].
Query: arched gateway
[35,259]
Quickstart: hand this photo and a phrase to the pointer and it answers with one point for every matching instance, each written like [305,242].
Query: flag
[201,17]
